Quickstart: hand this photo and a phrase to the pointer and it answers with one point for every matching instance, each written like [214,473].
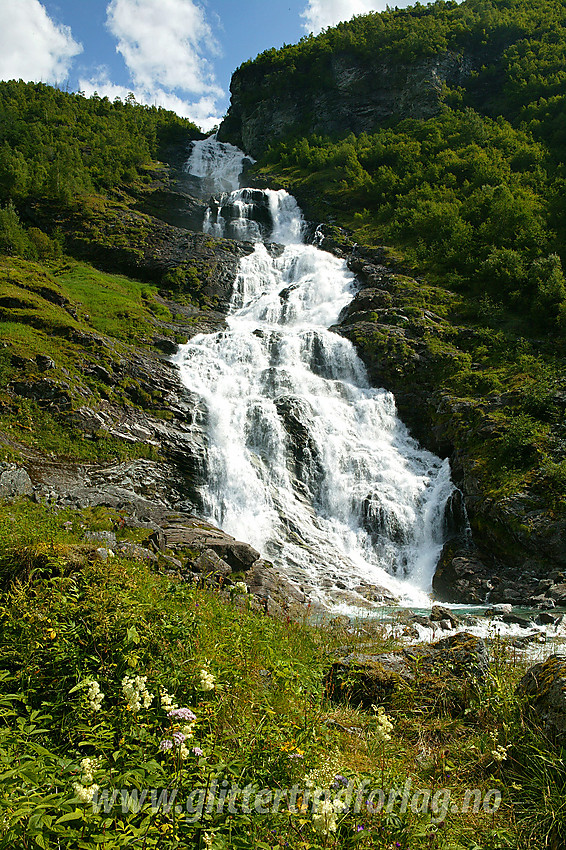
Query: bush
[13,237]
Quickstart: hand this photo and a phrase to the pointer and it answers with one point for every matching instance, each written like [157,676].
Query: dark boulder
[439,614]
[460,574]
[544,688]
[438,673]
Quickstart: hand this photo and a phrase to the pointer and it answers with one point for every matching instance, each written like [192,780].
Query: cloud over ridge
[165,43]
[319,14]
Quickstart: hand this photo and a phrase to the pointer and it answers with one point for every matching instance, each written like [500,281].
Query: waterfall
[218,165]
[307,461]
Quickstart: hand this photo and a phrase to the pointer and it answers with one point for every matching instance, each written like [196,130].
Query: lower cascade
[306,461]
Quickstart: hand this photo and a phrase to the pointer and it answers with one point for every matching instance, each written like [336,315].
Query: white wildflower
[83,793]
[384,725]
[94,694]
[88,768]
[136,692]
[324,818]
[240,587]
[322,775]
[499,753]
[167,703]
[184,752]
[208,839]
[207,681]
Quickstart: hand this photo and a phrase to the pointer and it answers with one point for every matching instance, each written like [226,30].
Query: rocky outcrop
[544,689]
[150,249]
[14,482]
[181,532]
[414,352]
[461,576]
[439,670]
[351,94]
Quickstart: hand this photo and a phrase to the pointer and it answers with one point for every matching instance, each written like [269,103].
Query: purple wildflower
[197,751]
[182,714]
[178,737]
[166,744]
[360,828]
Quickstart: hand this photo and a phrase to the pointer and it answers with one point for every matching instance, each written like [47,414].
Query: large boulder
[437,673]
[277,593]
[460,574]
[14,482]
[544,687]
[189,535]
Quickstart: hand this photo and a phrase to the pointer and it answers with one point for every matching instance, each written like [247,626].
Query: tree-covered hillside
[475,191]
[514,50]
[60,146]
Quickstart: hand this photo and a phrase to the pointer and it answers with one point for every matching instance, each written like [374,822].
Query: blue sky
[175,53]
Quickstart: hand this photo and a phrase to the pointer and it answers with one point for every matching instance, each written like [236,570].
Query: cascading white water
[217,164]
[306,461]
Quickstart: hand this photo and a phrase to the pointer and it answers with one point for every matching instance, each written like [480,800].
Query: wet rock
[167,346]
[558,594]
[460,574]
[14,482]
[512,592]
[515,619]
[306,464]
[502,608]
[523,641]
[374,593]
[544,687]
[542,602]
[372,679]
[421,620]
[546,619]
[440,613]
[455,518]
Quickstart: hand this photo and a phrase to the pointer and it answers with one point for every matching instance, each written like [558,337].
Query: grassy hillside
[75,630]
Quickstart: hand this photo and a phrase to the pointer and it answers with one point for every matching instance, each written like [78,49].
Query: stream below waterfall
[305,460]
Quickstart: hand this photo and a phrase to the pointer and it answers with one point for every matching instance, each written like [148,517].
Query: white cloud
[165,43]
[32,46]
[203,112]
[319,14]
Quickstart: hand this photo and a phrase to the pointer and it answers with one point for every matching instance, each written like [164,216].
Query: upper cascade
[218,165]
[256,215]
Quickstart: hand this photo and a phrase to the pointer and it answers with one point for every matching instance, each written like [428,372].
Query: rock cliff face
[350,95]
[517,553]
